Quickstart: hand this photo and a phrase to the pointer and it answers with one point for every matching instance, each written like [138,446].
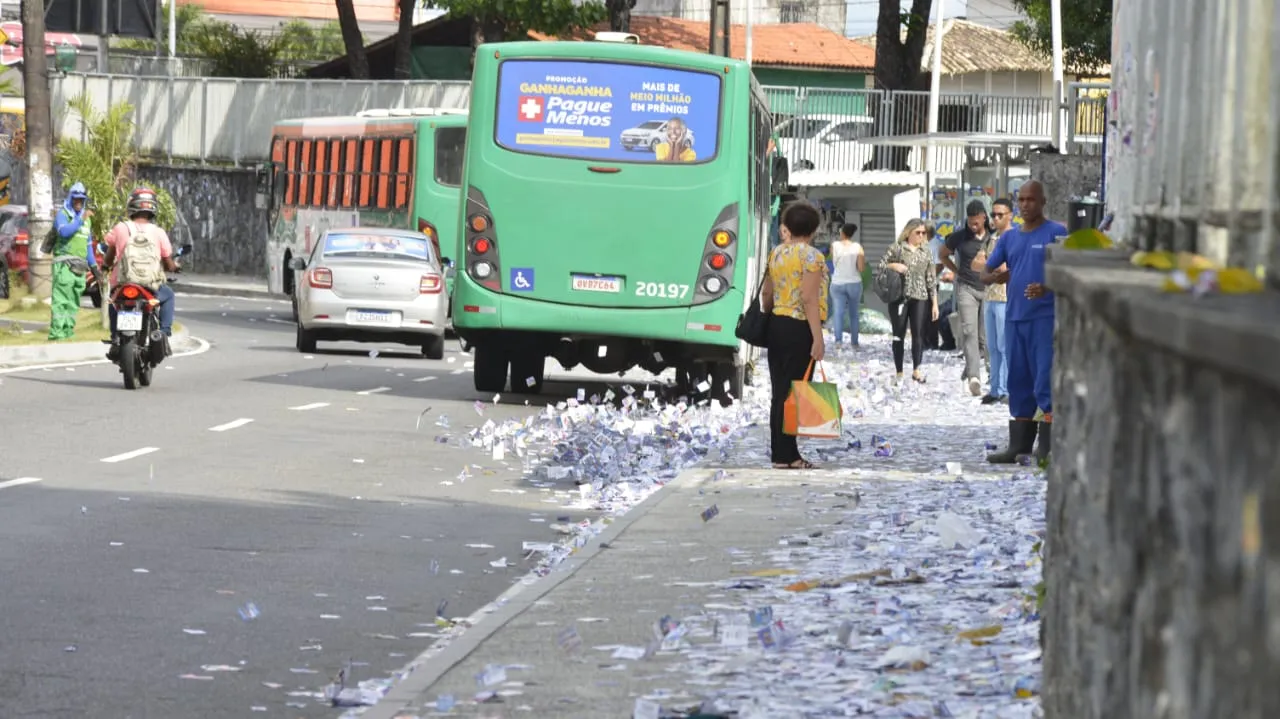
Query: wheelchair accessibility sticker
[521,279]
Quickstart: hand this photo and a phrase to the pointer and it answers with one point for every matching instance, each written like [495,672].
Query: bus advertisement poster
[608,111]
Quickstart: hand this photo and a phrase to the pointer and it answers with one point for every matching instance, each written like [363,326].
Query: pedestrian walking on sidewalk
[73,258]
[910,256]
[1028,324]
[848,259]
[794,294]
[994,306]
[957,255]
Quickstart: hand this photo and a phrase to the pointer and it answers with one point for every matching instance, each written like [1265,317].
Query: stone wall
[218,216]
[1163,546]
[1063,177]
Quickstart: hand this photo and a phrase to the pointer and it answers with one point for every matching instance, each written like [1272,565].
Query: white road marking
[231,425]
[131,455]
[459,371]
[279,321]
[19,481]
[201,349]
[313,405]
[425,379]
[375,390]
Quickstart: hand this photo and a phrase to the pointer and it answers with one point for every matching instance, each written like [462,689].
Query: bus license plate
[589,283]
[129,321]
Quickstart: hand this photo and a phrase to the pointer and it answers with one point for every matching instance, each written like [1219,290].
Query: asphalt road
[305,484]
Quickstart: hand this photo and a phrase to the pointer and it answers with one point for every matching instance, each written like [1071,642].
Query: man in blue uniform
[1028,324]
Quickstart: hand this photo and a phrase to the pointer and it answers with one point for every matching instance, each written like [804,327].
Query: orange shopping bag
[812,409]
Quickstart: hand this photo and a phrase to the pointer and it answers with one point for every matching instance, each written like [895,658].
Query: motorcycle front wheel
[129,362]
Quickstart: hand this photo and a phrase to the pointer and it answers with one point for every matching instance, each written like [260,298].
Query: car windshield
[11,224]
[389,246]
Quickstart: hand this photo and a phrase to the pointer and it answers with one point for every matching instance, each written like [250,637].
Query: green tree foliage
[106,161]
[1086,32]
[235,52]
[509,20]
[299,41]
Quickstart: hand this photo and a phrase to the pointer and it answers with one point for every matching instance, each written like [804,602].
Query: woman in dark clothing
[910,256]
[795,295]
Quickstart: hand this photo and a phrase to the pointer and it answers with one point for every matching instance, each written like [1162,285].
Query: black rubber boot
[1022,439]
[1045,445]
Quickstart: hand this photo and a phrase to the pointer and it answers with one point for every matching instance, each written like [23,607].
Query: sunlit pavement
[324,489]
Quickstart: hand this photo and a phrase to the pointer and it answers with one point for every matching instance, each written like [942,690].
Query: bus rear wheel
[727,381]
[490,371]
[527,373]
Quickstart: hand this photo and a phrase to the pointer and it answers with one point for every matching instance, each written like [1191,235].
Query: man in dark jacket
[957,255]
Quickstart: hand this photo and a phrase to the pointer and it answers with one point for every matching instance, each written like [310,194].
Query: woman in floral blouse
[910,256]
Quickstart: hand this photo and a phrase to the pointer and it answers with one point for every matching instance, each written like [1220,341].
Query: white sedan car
[367,284]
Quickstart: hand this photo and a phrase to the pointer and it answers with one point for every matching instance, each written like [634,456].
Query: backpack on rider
[140,263]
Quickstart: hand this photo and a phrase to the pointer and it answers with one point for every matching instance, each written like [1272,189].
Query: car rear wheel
[306,341]
[490,369]
[527,373]
[4,281]
[433,348]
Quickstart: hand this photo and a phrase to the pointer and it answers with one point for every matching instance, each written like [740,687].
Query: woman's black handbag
[753,325]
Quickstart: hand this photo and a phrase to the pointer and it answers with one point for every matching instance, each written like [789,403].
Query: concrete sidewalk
[58,352]
[663,558]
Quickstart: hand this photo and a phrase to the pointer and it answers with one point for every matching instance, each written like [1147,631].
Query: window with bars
[365,173]
[791,12]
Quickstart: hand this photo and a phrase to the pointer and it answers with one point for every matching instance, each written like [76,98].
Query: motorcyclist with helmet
[141,210]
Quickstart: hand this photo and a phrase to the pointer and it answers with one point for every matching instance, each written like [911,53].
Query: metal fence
[229,120]
[821,126]
[226,120]
[1193,148]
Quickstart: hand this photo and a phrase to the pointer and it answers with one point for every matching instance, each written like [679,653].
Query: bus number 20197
[657,289]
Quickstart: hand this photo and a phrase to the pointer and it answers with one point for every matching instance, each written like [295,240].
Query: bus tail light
[481,242]
[430,284]
[431,232]
[715,274]
[320,278]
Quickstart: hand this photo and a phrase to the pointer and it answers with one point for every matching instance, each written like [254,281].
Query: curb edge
[428,668]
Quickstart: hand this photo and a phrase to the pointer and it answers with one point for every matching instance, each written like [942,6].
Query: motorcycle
[142,344]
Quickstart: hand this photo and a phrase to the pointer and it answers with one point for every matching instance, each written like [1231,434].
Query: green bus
[379,168]
[615,213]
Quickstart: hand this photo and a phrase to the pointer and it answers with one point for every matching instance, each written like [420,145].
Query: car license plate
[129,321]
[373,317]
[591,283]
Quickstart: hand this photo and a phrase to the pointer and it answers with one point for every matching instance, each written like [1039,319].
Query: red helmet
[142,201]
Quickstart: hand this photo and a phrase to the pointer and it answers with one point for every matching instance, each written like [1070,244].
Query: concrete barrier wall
[1163,547]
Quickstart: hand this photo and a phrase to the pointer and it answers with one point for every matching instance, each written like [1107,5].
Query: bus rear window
[449,144]
[608,111]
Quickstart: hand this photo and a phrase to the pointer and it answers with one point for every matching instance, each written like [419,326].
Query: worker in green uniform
[73,257]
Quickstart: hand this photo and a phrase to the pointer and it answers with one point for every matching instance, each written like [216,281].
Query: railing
[225,120]
[823,125]
[229,120]
[1193,151]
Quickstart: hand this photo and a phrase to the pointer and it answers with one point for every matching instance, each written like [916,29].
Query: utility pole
[935,90]
[1059,99]
[35,77]
[719,44]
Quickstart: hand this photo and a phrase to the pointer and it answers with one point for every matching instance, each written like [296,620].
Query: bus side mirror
[780,174]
